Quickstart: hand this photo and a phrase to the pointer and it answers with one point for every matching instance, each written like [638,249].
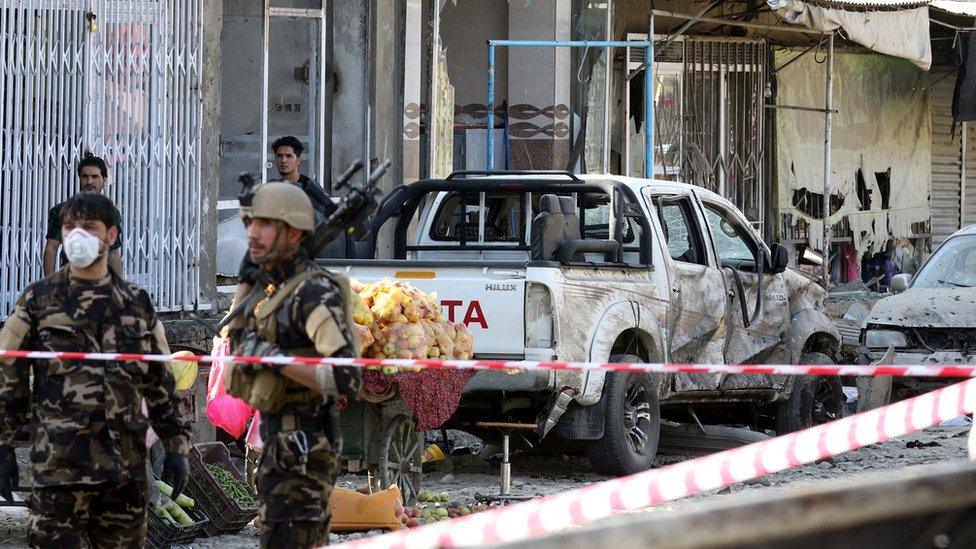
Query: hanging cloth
[964,96]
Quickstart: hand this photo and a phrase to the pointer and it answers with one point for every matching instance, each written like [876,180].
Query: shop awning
[899,28]
[957,7]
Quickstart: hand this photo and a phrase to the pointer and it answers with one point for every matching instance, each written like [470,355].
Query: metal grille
[673,53]
[724,129]
[946,161]
[120,79]
[969,190]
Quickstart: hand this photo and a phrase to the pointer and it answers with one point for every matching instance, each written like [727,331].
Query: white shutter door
[946,161]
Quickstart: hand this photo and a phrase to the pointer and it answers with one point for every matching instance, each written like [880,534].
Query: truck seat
[547,229]
[571,221]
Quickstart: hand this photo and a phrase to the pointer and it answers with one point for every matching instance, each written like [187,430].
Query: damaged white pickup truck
[556,266]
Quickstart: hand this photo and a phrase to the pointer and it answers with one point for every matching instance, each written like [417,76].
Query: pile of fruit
[434,507]
[396,320]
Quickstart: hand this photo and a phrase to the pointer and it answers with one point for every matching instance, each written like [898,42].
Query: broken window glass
[953,265]
[681,231]
[596,220]
[731,242]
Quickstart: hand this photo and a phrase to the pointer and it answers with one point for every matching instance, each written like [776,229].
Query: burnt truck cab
[603,268]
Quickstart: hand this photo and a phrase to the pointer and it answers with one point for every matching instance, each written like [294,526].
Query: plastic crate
[226,515]
[160,535]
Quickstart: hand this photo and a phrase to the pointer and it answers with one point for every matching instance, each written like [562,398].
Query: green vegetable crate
[160,535]
[230,508]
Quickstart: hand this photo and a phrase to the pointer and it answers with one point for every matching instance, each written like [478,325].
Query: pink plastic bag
[230,414]
[215,383]
[224,411]
[253,437]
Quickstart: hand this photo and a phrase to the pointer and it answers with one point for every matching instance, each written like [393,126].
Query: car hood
[924,307]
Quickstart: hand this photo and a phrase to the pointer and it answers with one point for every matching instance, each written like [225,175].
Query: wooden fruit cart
[379,436]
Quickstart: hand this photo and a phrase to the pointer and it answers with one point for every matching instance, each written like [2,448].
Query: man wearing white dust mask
[88,429]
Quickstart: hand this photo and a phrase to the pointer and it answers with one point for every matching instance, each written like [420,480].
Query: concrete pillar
[211,16]
[388,87]
[349,62]
[412,88]
[539,85]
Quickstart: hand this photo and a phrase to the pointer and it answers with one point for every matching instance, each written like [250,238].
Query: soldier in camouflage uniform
[305,311]
[87,426]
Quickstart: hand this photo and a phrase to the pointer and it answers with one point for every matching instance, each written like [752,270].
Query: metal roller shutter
[946,160]
[969,212]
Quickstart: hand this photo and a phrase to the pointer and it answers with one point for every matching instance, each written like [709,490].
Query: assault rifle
[350,217]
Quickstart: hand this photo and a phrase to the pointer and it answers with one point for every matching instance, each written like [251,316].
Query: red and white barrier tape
[585,505]
[934,370]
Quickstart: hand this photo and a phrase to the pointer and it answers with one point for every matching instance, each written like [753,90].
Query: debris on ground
[551,474]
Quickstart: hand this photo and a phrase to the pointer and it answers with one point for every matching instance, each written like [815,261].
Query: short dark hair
[288,141]
[92,160]
[93,206]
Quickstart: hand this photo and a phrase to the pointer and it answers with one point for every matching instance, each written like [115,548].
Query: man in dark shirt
[288,159]
[92,173]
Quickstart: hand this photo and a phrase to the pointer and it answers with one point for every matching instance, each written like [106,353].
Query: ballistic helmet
[284,202]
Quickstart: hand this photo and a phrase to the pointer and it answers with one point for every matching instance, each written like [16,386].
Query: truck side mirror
[899,283]
[779,258]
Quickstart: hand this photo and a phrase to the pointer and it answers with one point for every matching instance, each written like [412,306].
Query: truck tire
[814,399]
[632,422]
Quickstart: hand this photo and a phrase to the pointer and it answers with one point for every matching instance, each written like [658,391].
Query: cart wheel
[400,458]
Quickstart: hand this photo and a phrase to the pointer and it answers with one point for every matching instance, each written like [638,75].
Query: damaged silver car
[931,319]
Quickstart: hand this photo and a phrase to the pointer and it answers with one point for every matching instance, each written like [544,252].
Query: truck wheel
[814,399]
[632,422]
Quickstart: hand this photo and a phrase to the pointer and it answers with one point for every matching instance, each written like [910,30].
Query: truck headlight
[539,329]
[882,339]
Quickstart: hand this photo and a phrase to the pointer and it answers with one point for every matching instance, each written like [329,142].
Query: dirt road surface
[465,477]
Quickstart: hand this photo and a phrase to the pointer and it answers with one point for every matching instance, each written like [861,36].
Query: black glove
[176,467]
[9,473]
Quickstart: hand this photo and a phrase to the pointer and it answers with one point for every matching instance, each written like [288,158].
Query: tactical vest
[261,387]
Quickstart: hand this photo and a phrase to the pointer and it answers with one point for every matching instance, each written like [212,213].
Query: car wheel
[632,422]
[814,399]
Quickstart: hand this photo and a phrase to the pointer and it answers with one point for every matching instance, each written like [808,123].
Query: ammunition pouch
[262,387]
[263,390]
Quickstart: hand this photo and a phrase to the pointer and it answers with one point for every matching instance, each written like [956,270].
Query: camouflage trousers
[296,473]
[97,515]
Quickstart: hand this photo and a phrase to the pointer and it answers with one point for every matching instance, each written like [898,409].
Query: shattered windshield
[951,266]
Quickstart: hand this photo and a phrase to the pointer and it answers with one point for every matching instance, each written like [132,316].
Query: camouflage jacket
[314,320]
[87,424]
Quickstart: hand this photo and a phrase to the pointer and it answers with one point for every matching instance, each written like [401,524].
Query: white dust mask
[81,247]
